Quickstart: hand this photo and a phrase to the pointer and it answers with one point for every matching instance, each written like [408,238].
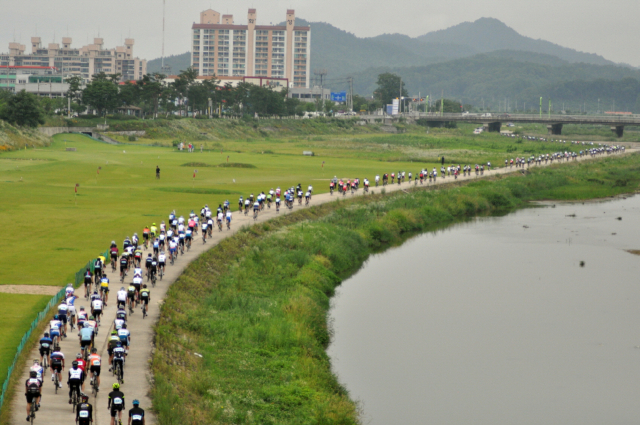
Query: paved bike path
[55,409]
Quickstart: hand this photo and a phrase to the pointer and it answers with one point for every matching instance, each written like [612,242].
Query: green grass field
[17,311]
[61,231]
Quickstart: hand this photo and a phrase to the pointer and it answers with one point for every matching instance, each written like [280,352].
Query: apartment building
[84,61]
[224,49]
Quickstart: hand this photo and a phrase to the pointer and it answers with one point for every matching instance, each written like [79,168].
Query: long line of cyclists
[165,244]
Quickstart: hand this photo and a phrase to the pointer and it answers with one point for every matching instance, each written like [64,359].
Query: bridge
[493,122]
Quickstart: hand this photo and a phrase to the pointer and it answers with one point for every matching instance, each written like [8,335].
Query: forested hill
[495,76]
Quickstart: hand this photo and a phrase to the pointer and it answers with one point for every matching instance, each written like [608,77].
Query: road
[55,409]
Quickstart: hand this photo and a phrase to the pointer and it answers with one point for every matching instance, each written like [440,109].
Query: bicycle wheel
[56,383]
[32,414]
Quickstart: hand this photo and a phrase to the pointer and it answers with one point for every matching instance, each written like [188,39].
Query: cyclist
[96,307]
[153,269]
[145,297]
[173,248]
[33,392]
[76,378]
[38,370]
[113,341]
[162,258]
[84,411]
[136,415]
[82,317]
[104,289]
[86,337]
[88,280]
[57,364]
[153,230]
[94,366]
[124,265]
[71,309]
[119,355]
[63,308]
[45,346]
[156,246]
[122,297]
[131,295]
[125,336]
[97,269]
[82,365]
[116,403]
[113,250]
[55,326]
[137,255]
[68,290]
[228,218]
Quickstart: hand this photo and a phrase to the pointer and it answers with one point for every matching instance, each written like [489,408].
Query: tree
[23,109]
[101,94]
[389,88]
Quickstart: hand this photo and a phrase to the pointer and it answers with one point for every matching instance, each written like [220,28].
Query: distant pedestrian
[201,147]
[157,172]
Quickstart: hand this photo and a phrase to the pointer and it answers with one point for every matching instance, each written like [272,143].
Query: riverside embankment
[243,332]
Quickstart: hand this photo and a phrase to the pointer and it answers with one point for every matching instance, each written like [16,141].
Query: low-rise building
[311,94]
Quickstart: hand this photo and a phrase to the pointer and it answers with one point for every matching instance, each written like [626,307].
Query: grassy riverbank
[243,332]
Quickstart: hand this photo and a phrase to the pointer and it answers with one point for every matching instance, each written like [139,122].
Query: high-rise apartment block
[221,48]
[84,61]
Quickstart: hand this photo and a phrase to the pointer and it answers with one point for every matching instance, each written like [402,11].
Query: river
[495,321]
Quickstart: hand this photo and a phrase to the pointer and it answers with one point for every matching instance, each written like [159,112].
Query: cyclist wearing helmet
[76,378]
[119,354]
[32,390]
[95,362]
[37,369]
[136,415]
[116,403]
[113,340]
[57,363]
[45,346]
[84,412]
[54,328]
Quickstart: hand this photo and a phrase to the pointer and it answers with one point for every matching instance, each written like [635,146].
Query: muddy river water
[495,321]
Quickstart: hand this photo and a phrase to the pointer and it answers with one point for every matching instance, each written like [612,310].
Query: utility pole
[442,104]
[549,111]
[540,107]
[400,97]
[350,99]
[321,73]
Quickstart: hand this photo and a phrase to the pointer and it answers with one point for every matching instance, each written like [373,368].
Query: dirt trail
[55,408]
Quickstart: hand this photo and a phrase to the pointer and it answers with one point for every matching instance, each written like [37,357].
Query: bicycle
[32,410]
[94,386]
[117,371]
[153,279]
[74,398]
[56,381]
[161,272]
[255,214]
[228,225]
[188,244]
[220,225]
[144,311]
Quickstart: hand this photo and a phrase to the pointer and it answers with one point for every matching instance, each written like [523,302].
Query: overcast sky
[609,28]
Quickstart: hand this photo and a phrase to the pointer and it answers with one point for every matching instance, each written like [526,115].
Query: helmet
[56,317]
[78,356]
[122,288]
[81,308]
[114,332]
[33,374]
[116,386]
[144,285]
[36,361]
[56,347]
[124,326]
[135,234]
[74,364]
[94,350]
[70,284]
[91,318]
[118,344]
[153,224]
[46,334]
[84,397]
[136,402]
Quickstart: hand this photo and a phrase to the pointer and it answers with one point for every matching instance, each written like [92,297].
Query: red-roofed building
[224,49]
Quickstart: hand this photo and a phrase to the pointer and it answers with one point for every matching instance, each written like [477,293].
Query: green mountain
[488,35]
[516,76]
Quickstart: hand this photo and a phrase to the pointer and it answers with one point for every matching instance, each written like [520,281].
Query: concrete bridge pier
[619,130]
[492,126]
[555,129]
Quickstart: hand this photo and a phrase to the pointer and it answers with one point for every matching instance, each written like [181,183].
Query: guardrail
[493,117]
[79,279]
